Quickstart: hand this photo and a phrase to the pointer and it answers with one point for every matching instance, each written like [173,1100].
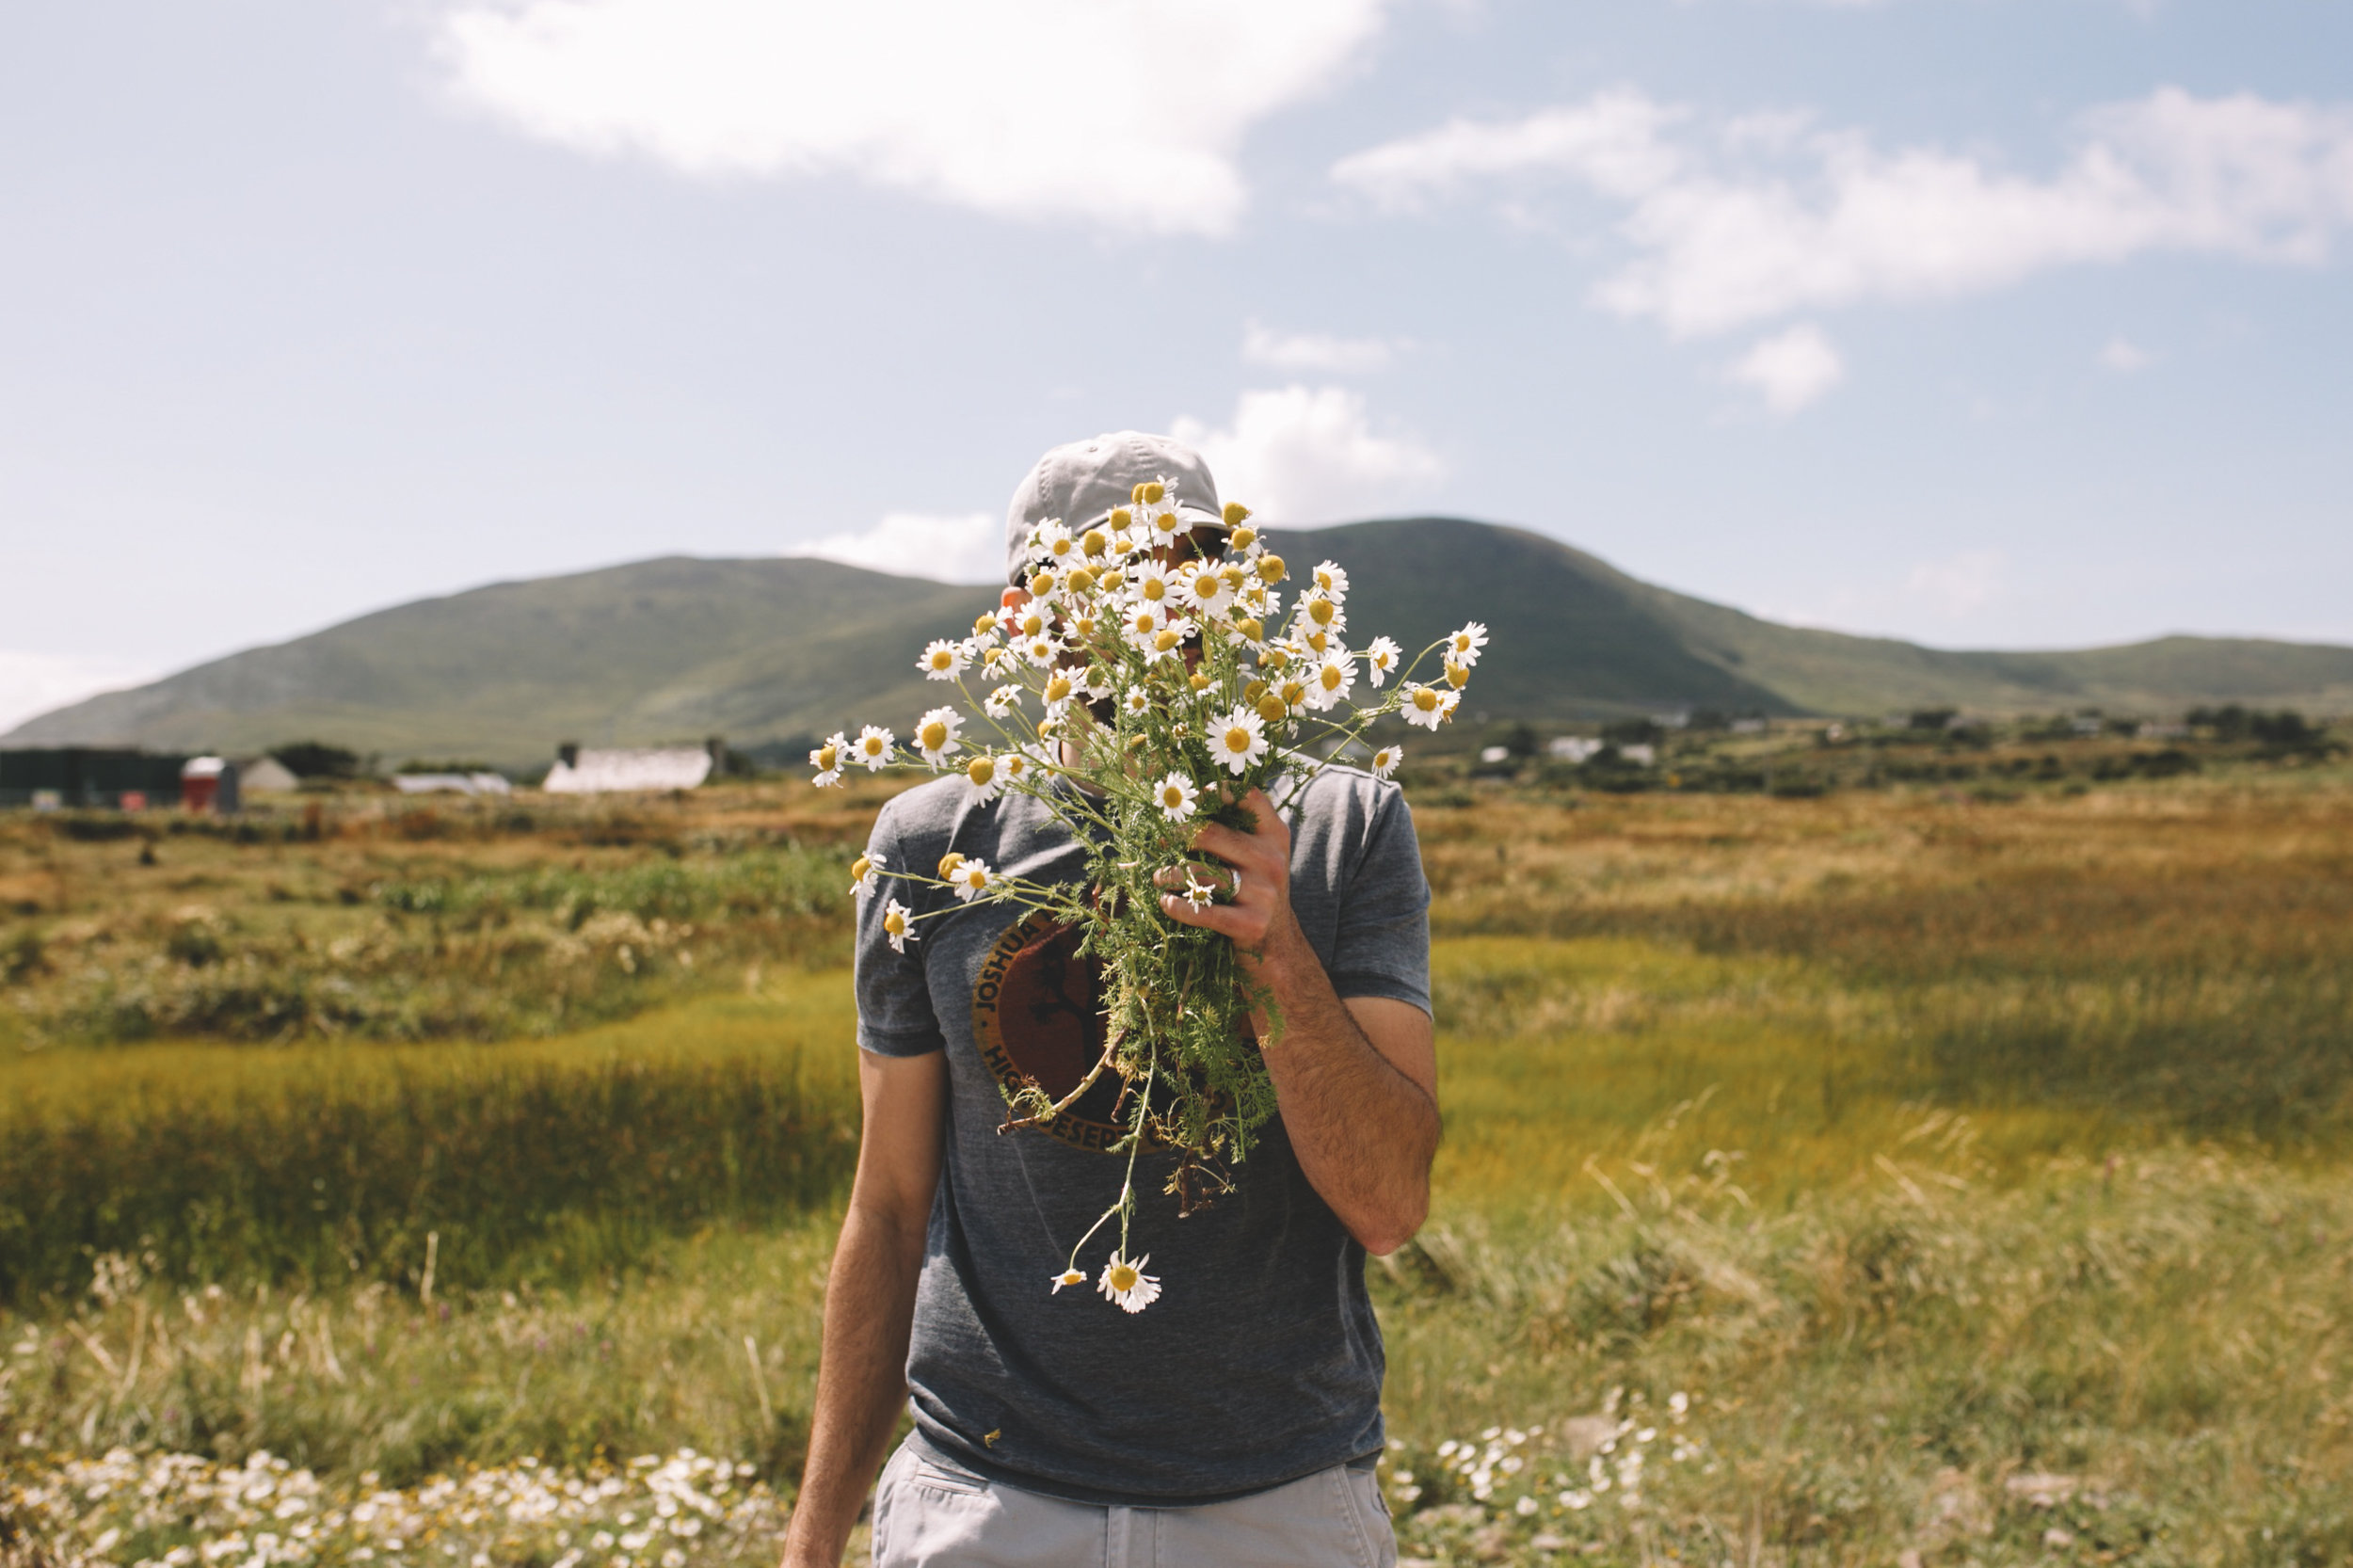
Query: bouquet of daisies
[1135,693]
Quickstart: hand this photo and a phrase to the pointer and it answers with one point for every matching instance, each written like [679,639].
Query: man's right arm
[869,1298]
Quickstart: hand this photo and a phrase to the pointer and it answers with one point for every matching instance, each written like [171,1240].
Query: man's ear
[1013,599]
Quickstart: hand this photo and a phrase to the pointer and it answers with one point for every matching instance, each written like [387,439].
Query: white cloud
[2125,357]
[1312,351]
[958,547]
[1303,454]
[1128,114]
[1750,231]
[34,684]
[1792,369]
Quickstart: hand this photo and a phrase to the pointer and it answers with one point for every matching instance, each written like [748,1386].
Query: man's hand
[1356,1082]
[870,1300]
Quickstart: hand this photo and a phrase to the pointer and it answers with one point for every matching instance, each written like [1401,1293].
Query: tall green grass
[330,1166]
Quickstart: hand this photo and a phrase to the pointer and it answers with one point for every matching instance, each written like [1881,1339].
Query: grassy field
[1825,1180]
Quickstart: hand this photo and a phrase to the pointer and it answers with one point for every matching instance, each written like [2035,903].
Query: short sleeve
[895,1016]
[1381,943]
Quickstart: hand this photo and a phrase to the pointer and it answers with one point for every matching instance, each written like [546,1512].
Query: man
[1236,1421]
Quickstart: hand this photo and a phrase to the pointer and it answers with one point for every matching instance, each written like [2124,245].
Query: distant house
[452,783]
[266,775]
[210,784]
[587,773]
[1573,748]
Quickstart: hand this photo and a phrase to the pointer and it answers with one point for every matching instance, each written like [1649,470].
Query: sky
[1983,323]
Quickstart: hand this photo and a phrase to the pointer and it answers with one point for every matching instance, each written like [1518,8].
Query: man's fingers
[1240,849]
[1228,919]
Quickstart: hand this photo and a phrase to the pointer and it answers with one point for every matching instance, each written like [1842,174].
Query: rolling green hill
[677,648]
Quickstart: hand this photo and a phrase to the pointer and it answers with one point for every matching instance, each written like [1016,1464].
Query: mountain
[679,648]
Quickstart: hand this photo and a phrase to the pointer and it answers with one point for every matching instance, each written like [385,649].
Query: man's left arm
[1357,1079]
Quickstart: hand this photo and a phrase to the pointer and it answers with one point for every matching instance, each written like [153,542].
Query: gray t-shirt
[1261,1360]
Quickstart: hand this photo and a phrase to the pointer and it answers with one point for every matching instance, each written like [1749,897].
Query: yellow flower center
[1271,569]
[826,757]
[1154,493]
[871,746]
[1096,541]
[1251,627]
[1058,688]
[1272,709]
[1293,692]
[1032,624]
[981,770]
[1320,611]
[934,735]
[942,659]
[1426,700]
[1456,675]
[1042,584]
[948,864]
[1150,589]
[1237,739]
[1121,517]
[984,624]
[1171,797]
[1200,682]
[1123,1278]
[1166,640]
[1331,677]
[860,866]
[1242,538]
[895,923]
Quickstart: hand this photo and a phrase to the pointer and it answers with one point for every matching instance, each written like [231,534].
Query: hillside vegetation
[759,650]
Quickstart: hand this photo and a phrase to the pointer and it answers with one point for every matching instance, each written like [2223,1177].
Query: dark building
[89,777]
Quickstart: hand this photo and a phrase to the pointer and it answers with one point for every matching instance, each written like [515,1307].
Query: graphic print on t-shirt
[1037,1016]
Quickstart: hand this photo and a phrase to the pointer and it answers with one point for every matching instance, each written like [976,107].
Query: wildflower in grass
[1176,796]
[936,734]
[828,759]
[1463,646]
[897,922]
[1385,761]
[1127,1285]
[1382,658]
[873,748]
[1239,740]
[944,660]
[971,879]
[866,873]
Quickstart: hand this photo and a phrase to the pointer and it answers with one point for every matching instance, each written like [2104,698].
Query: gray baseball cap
[1082,482]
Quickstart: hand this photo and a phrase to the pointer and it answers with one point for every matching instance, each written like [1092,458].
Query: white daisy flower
[1198,893]
[1002,701]
[1059,688]
[970,879]
[1462,647]
[1127,1285]
[1329,683]
[1050,541]
[1239,740]
[1041,651]
[1331,579]
[1428,705]
[936,734]
[985,775]
[1136,702]
[1382,659]
[871,748]
[1098,682]
[1013,768]
[1151,583]
[898,924]
[1175,796]
[944,660]
[1068,1276]
[866,873]
[1291,692]
[1142,623]
[1385,761]
[828,760]
[1204,590]
[985,624]
[1320,612]
[1167,643]
[1244,540]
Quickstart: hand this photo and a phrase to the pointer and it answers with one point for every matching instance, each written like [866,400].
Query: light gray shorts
[930,1511]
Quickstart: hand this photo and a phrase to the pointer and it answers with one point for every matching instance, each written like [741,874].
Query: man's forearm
[862,1381]
[1364,1133]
